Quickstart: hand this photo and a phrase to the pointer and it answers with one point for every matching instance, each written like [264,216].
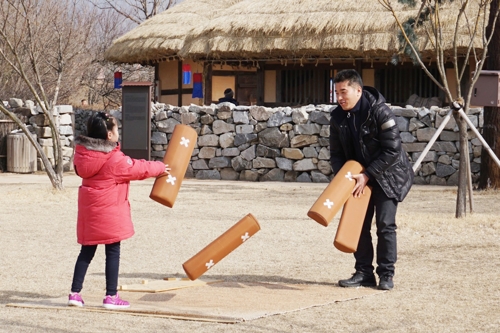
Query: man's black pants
[385,220]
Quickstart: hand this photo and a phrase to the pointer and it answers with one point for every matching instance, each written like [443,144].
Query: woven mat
[225,302]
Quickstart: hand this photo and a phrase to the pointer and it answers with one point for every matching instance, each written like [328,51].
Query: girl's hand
[167,169]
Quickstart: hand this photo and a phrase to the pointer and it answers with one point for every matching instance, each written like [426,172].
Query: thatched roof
[163,35]
[268,29]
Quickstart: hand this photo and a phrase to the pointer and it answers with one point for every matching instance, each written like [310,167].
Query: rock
[220,127]
[159,138]
[240,117]
[244,129]
[262,162]
[318,177]
[274,175]
[272,137]
[304,165]
[207,152]
[249,153]
[303,140]
[240,139]
[208,174]
[304,178]
[208,140]
[226,140]
[229,174]
[263,151]
[320,117]
[239,164]
[292,153]
[249,175]
[219,162]
[260,113]
[284,163]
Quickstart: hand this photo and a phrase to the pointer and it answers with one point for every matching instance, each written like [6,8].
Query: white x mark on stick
[328,203]
[245,237]
[209,264]
[171,179]
[184,142]
[349,176]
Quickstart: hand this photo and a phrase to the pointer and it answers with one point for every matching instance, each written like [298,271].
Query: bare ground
[447,275]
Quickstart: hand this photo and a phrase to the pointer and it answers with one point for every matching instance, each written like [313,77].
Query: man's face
[347,96]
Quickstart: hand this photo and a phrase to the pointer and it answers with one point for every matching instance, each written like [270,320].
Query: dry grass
[446,278]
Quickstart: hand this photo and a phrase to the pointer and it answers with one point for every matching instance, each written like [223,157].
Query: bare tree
[136,11]
[490,173]
[429,21]
[43,42]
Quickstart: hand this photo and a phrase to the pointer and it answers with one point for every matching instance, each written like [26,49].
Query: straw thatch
[273,29]
[163,35]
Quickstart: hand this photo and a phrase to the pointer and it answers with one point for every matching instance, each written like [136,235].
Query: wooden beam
[179,83]
[208,83]
[260,84]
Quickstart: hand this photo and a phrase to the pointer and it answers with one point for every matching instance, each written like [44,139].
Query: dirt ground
[447,275]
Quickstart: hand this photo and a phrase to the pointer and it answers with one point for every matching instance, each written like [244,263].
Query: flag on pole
[118,80]
[197,85]
[186,74]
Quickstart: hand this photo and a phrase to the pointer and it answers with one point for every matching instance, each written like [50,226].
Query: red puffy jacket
[103,206]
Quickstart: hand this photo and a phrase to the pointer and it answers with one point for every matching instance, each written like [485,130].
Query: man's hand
[361,181]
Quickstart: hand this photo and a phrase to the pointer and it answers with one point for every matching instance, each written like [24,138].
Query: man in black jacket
[228,97]
[363,128]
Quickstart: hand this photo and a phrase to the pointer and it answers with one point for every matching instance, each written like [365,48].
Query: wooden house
[275,52]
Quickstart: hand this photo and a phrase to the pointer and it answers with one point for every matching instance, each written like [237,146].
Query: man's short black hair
[228,93]
[349,75]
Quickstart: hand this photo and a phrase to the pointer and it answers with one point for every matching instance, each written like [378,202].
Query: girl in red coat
[103,206]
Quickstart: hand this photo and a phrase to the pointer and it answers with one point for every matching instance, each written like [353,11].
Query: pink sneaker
[75,299]
[114,302]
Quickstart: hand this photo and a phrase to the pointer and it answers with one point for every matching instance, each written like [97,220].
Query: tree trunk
[461,207]
[490,172]
[55,178]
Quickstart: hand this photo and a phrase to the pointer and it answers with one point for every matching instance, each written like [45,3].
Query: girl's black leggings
[112,267]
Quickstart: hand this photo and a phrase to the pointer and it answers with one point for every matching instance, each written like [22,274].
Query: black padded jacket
[385,160]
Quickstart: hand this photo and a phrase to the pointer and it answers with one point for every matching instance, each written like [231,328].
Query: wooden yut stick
[221,247]
[335,194]
[351,222]
[178,154]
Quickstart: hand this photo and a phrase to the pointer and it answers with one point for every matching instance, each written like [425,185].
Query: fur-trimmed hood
[91,154]
[102,145]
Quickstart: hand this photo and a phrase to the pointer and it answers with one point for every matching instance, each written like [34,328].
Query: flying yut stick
[178,154]
[221,247]
[351,222]
[335,194]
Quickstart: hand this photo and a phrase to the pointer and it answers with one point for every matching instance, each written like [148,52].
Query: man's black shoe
[359,279]
[386,282]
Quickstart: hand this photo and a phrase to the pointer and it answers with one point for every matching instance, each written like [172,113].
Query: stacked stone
[251,143]
[38,124]
[440,165]
[256,143]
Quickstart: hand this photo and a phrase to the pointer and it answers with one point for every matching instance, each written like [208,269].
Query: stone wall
[256,143]
[38,124]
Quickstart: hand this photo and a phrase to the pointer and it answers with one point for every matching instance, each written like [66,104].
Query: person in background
[228,97]
[363,128]
[103,206]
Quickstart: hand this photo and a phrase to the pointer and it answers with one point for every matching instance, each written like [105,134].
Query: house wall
[221,83]
[233,76]
[169,81]
[368,76]
[168,72]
